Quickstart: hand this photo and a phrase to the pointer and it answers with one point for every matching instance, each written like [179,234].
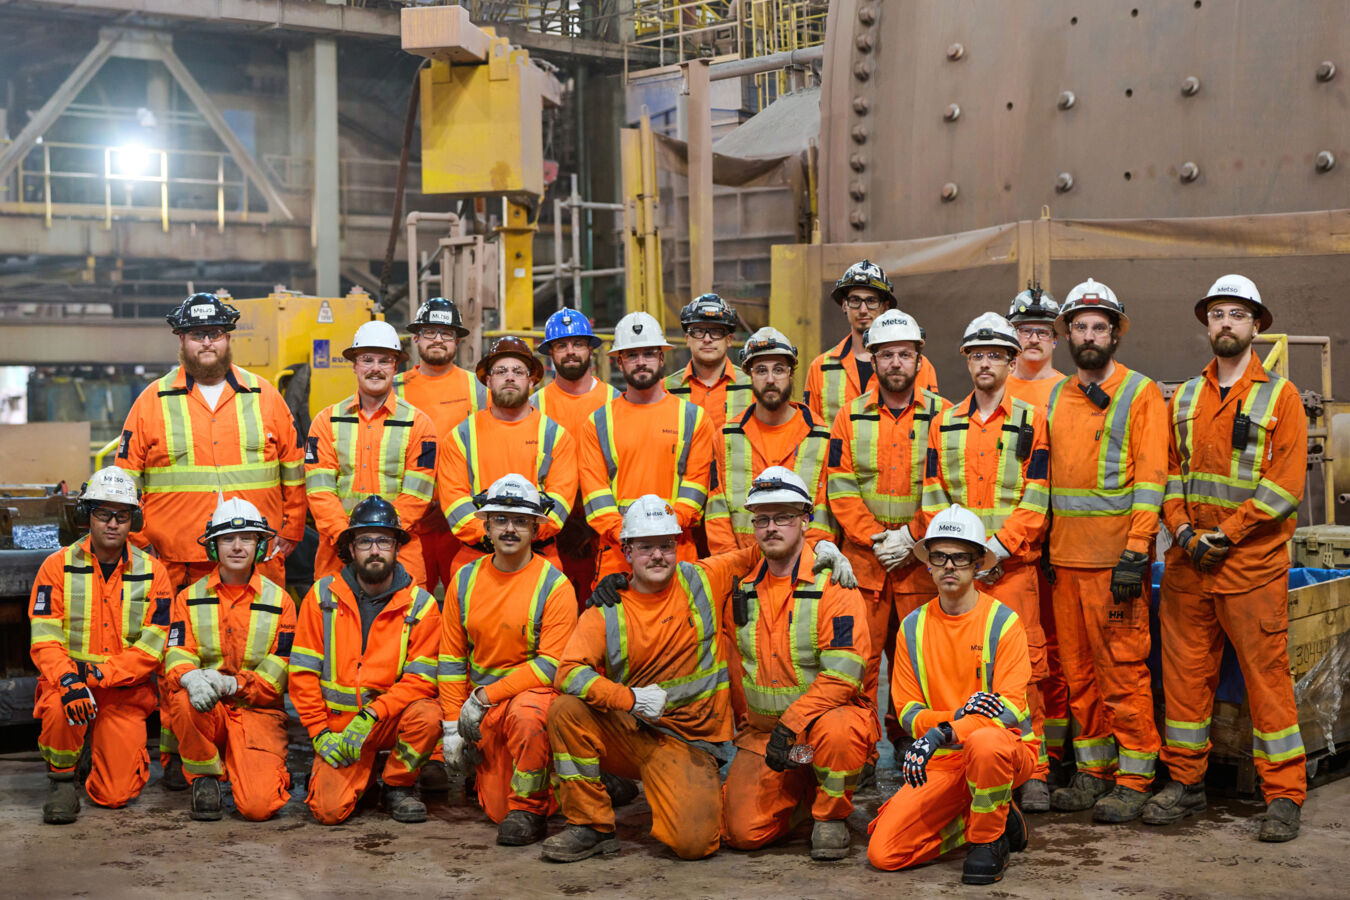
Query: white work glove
[453,747]
[829,557]
[200,693]
[649,702]
[893,547]
[470,715]
[225,685]
[994,572]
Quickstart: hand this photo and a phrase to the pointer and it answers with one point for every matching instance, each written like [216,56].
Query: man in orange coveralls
[504,626]
[710,381]
[229,644]
[960,681]
[363,671]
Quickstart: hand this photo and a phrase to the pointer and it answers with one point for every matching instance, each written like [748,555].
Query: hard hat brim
[532,363]
[542,347]
[841,291]
[402,536]
[459,330]
[490,507]
[1065,317]
[351,353]
[1264,317]
[664,345]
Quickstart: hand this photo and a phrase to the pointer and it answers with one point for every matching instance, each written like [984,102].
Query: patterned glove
[78,700]
[780,743]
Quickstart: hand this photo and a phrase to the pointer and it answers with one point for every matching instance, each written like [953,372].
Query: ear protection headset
[263,540]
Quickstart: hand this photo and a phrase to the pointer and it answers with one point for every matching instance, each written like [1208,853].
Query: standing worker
[1108,456]
[709,380]
[363,671]
[373,442]
[229,645]
[1235,477]
[505,624]
[98,613]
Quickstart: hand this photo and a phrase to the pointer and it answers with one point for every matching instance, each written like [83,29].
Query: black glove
[1127,578]
[914,769]
[89,672]
[780,742]
[981,703]
[606,593]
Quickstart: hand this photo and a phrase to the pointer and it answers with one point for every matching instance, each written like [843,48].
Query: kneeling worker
[363,671]
[960,686]
[229,643]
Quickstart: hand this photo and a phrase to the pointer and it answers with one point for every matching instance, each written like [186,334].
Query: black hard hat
[372,512]
[438,311]
[202,311]
[708,309]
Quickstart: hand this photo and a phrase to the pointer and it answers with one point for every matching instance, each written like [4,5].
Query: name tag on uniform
[42,606]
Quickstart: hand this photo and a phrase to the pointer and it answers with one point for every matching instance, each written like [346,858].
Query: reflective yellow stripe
[393,476]
[806,657]
[868,461]
[808,462]
[76,628]
[1010,483]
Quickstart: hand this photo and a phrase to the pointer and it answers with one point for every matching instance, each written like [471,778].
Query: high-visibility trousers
[515,767]
[1054,690]
[438,550]
[760,806]
[886,609]
[1104,646]
[965,800]
[1257,623]
[679,779]
[120,762]
[253,744]
[326,561]
[410,737]
[1019,589]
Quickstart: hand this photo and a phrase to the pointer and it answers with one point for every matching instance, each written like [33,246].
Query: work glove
[606,593]
[353,737]
[990,575]
[981,703]
[78,700]
[829,557]
[90,673]
[328,747]
[780,745]
[452,745]
[471,716]
[225,685]
[201,694]
[1127,578]
[1205,550]
[914,769]
[893,547]
[649,702]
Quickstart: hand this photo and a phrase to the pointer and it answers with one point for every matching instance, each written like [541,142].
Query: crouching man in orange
[363,671]
[960,686]
[229,641]
[98,613]
[507,618]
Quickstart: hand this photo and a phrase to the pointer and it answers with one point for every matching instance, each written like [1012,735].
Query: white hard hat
[637,330]
[1235,287]
[1092,295]
[375,336]
[778,484]
[991,330]
[110,485]
[956,523]
[512,494]
[649,516]
[235,516]
[892,325]
[768,341]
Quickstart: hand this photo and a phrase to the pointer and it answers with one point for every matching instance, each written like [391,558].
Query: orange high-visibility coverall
[577,545]
[117,623]
[1252,495]
[505,631]
[671,639]
[350,455]
[246,631]
[809,679]
[940,661]
[335,673]
[630,449]
[1108,467]
[833,380]
[484,448]
[723,401]
[447,400]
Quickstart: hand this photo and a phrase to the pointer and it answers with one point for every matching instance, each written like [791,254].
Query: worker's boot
[63,799]
[1173,803]
[206,805]
[1121,805]
[985,862]
[1035,796]
[173,779]
[1081,793]
[1281,822]
[520,828]
[433,779]
[1015,830]
[867,778]
[577,842]
[403,806]
[622,791]
[829,840]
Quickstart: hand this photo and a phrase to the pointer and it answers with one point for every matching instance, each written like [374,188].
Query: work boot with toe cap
[205,800]
[1081,793]
[1173,803]
[433,778]
[63,799]
[403,805]
[829,840]
[622,791]
[173,779]
[520,828]
[1282,820]
[1121,805]
[1015,830]
[578,842]
[985,862]
[1034,796]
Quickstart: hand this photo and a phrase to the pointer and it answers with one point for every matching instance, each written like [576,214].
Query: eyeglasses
[904,356]
[501,520]
[648,549]
[438,334]
[857,301]
[1040,334]
[121,517]
[375,361]
[371,541]
[517,371]
[206,335]
[644,353]
[1234,315]
[1096,328]
[994,356]
[765,371]
[961,560]
[702,332]
[782,520]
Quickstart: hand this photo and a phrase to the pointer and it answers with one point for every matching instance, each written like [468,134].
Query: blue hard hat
[566,323]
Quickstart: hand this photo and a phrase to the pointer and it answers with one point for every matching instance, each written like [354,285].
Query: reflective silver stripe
[1133,763]
[604,424]
[447,668]
[1112,494]
[616,644]
[1000,617]
[688,423]
[808,463]
[1277,746]
[304,661]
[422,669]
[909,714]
[571,768]
[579,680]
[548,668]
[1192,735]
[865,425]
[1095,753]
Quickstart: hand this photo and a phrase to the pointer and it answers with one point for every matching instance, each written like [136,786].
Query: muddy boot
[1081,793]
[433,779]
[173,779]
[403,806]
[1121,805]
[577,842]
[985,863]
[205,799]
[829,840]
[1035,796]
[1060,774]
[63,799]
[1281,822]
[622,791]
[520,828]
[1015,830]
[1173,803]
[867,778]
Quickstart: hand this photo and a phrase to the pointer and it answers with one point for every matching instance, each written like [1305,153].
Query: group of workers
[691,582]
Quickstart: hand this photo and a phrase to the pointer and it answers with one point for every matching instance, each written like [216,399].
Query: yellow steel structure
[517,262]
[642,241]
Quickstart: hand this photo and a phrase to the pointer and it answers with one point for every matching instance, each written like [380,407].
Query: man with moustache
[1108,459]
[710,381]
[509,437]
[209,428]
[1235,477]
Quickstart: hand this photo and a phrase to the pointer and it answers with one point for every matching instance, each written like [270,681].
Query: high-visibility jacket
[723,401]
[874,480]
[1109,466]
[940,660]
[1037,392]
[833,380]
[998,469]
[1250,492]
[75,615]
[484,448]
[183,455]
[242,630]
[743,454]
[572,411]
[447,400]
[332,675]
[502,631]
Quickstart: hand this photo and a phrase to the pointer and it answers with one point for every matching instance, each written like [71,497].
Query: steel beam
[698,135]
[325,216]
[81,342]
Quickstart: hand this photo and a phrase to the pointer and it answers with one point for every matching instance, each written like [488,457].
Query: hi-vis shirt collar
[1255,372]
[184,381]
[873,395]
[728,372]
[353,406]
[805,562]
[842,349]
[85,546]
[1005,403]
[214,584]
